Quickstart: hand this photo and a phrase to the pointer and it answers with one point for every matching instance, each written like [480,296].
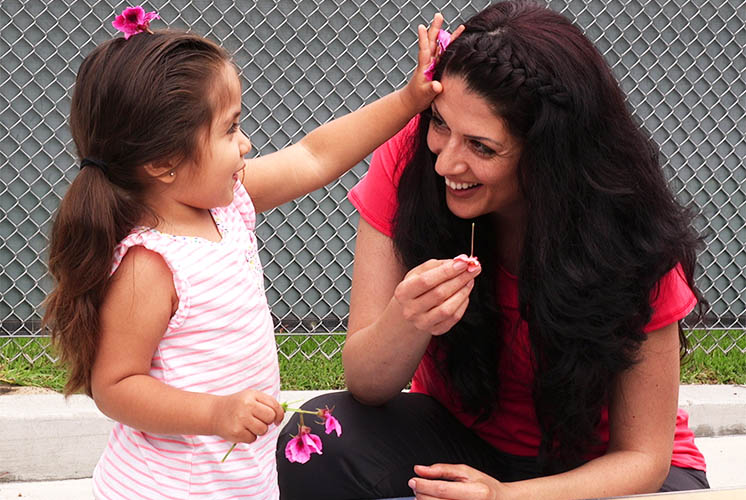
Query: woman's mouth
[461,187]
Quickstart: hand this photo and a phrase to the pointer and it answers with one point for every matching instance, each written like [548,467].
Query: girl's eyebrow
[233,118]
[472,137]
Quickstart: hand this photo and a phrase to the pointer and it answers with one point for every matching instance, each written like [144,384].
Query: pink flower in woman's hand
[134,20]
[299,448]
[444,38]
[472,263]
[331,424]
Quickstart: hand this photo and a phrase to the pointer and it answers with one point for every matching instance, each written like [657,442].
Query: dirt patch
[11,389]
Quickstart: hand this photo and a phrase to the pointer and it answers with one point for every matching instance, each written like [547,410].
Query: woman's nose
[450,161]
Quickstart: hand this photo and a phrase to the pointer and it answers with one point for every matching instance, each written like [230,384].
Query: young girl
[159,308]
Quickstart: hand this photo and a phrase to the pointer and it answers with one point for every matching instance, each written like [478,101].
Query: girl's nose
[245,144]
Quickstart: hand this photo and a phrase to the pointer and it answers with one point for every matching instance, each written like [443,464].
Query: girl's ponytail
[93,217]
[136,102]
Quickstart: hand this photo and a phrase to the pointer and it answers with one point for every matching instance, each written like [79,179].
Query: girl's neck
[183,220]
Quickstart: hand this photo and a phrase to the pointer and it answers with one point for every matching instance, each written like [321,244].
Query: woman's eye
[482,149]
[234,128]
[438,122]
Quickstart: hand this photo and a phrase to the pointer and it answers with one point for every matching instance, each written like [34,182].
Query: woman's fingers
[433,297]
[451,481]
[451,319]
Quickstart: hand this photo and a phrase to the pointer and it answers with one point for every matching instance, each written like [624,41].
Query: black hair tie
[90,162]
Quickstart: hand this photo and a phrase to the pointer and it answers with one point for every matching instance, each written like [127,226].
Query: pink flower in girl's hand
[472,263]
[300,448]
[444,38]
[134,20]
[331,424]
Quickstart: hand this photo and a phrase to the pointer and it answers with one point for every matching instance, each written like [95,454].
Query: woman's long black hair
[602,226]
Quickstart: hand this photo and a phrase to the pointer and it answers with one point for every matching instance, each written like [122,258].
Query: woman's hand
[245,415]
[433,296]
[455,482]
[420,91]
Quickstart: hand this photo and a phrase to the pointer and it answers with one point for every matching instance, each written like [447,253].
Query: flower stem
[228,452]
[284,407]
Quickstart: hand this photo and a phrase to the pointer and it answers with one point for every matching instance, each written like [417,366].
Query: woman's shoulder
[671,299]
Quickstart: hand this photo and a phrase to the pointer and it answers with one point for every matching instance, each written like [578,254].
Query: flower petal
[296,451]
[331,424]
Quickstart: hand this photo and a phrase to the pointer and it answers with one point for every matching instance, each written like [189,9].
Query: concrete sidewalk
[49,445]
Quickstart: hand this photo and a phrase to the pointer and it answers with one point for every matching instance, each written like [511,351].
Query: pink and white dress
[220,341]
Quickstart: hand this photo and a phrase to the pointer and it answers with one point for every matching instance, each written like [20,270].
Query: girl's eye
[234,128]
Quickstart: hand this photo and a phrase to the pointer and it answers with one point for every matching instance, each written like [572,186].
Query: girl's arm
[135,312]
[642,419]
[332,149]
[394,315]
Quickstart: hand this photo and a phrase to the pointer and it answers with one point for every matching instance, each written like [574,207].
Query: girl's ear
[163,171]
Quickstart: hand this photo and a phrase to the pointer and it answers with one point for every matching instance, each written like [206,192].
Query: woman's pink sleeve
[672,300]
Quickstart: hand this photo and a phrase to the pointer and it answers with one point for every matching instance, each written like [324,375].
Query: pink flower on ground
[331,424]
[134,20]
[444,38]
[299,448]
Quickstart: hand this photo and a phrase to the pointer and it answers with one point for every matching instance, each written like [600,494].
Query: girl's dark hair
[135,102]
[602,227]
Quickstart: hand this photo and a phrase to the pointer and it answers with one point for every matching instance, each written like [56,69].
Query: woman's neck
[510,230]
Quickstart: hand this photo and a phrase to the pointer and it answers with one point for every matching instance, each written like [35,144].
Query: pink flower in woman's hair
[299,448]
[134,20]
[331,424]
[444,38]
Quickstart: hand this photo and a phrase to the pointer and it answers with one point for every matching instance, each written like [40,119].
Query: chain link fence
[305,62]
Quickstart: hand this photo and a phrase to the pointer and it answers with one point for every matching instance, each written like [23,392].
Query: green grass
[313,366]
[716,367]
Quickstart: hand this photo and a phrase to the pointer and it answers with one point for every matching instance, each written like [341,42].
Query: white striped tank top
[220,340]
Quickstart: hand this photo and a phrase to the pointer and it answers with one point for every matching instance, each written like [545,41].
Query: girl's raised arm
[333,148]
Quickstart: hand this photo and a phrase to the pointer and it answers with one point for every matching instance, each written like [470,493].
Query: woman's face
[477,157]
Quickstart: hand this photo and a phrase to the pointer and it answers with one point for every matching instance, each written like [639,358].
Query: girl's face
[477,157]
[209,182]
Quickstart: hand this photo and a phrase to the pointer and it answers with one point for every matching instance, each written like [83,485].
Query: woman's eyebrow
[472,137]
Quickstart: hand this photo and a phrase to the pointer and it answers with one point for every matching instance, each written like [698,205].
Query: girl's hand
[420,91]
[433,296]
[245,415]
[455,482]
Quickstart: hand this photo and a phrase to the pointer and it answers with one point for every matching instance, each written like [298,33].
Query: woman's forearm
[623,472]
[380,359]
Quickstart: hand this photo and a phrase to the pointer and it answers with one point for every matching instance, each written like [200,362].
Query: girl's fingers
[458,32]
[432,33]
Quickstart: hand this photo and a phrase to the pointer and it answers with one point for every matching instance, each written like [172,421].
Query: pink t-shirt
[513,428]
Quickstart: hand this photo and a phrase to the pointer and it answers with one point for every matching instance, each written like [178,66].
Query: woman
[552,370]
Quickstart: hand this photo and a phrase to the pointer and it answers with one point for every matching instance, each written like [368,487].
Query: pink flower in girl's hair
[444,38]
[134,20]
[331,424]
[299,448]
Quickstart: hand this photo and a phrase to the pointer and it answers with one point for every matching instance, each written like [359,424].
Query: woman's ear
[163,171]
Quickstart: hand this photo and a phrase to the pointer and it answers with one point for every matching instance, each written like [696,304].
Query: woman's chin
[462,210]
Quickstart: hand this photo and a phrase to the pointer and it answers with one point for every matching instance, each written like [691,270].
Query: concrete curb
[45,437]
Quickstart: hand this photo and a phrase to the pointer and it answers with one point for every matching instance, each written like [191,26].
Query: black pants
[379,446]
